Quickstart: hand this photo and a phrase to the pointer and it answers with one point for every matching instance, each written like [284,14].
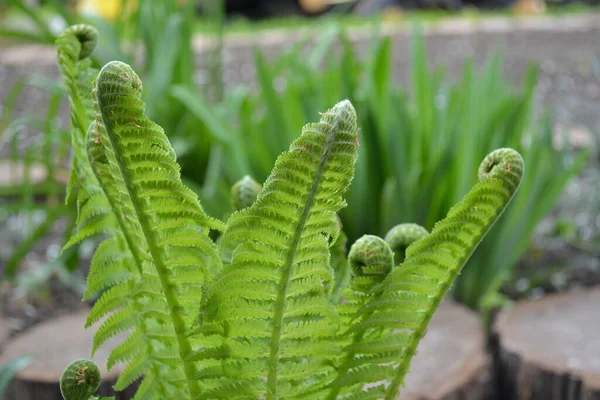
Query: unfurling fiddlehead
[88,39]
[371,260]
[401,236]
[81,381]
[244,192]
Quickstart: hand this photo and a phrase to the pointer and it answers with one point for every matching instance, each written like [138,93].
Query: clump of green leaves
[34,149]
[258,313]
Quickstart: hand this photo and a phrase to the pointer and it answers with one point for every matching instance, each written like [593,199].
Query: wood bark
[452,363]
[549,348]
[55,344]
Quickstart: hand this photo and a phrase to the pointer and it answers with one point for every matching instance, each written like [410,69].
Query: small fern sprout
[401,236]
[371,260]
[80,380]
[244,192]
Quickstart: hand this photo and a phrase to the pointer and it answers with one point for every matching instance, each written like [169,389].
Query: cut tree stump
[55,344]
[452,363]
[550,348]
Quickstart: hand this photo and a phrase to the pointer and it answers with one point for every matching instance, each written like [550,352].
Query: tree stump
[549,348]
[452,363]
[55,344]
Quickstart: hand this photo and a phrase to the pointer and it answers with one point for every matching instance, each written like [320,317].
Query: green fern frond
[74,47]
[276,260]
[155,263]
[391,324]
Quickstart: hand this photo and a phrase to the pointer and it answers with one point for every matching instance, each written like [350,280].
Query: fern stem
[185,348]
[287,269]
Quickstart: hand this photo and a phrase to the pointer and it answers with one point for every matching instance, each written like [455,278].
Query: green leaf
[276,259]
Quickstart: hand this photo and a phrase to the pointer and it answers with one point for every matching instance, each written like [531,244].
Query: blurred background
[437,84]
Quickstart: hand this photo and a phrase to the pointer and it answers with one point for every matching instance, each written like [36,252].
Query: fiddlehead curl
[401,236]
[244,192]
[371,260]
[505,164]
[80,380]
[88,39]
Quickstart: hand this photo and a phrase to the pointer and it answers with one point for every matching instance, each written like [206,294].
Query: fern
[275,309]
[276,266]
[156,246]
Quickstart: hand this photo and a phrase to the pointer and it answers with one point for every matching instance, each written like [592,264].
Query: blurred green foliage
[10,369]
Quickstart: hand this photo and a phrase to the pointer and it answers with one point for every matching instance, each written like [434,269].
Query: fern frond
[161,230]
[276,259]
[393,321]
[74,47]
[151,267]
